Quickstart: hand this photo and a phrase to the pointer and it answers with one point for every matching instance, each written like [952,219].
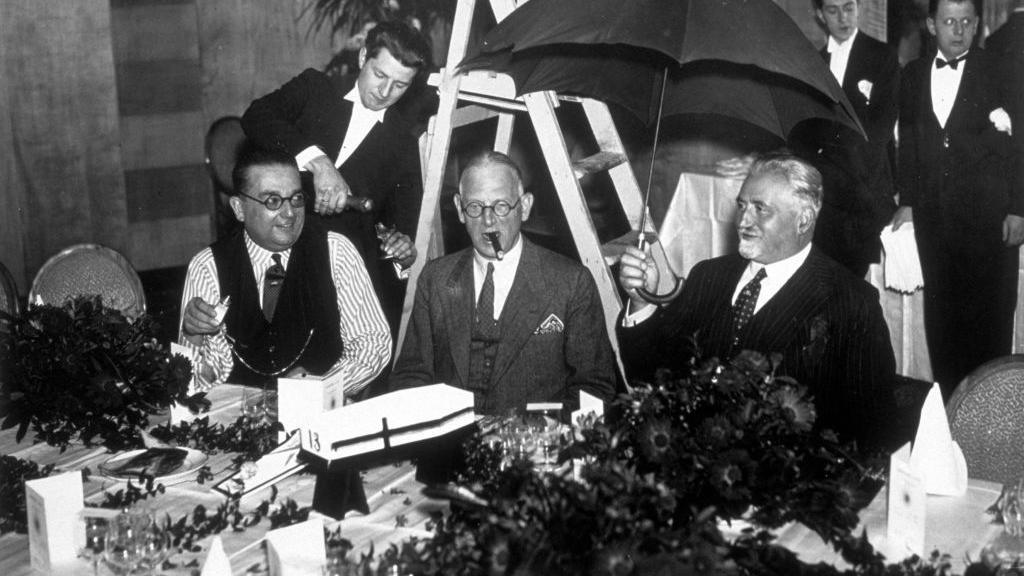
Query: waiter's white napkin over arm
[936,456]
[902,265]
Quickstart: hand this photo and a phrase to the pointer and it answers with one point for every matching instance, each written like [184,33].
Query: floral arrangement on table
[675,463]
[83,371]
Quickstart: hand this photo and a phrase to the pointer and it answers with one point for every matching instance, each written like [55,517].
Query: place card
[179,413]
[907,504]
[302,398]
[55,532]
[936,456]
[296,550]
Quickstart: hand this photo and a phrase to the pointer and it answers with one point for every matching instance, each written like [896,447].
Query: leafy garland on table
[687,454]
[84,371]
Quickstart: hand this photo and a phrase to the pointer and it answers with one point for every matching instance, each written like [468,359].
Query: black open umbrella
[745,59]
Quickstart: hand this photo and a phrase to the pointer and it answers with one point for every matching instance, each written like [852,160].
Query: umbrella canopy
[744,59]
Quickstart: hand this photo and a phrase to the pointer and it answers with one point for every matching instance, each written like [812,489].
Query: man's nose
[286,209]
[744,218]
[488,216]
[385,90]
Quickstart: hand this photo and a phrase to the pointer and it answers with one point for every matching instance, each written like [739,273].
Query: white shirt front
[362,121]
[776,276]
[839,56]
[945,82]
[504,275]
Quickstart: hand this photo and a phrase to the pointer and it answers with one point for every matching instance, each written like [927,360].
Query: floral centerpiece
[83,371]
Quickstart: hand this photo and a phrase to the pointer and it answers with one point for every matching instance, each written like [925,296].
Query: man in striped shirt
[299,299]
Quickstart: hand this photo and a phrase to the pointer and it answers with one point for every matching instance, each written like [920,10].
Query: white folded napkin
[217,563]
[937,458]
[297,550]
[902,266]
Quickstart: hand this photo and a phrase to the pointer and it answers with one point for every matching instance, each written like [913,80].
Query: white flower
[865,87]
[1001,120]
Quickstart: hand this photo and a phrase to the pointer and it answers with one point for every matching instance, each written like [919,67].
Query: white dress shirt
[776,276]
[839,55]
[945,83]
[363,120]
[365,333]
[504,275]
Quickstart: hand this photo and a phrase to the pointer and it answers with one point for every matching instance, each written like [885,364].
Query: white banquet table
[393,494]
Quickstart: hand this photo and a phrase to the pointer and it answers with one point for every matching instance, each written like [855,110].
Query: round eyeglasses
[500,208]
[273,202]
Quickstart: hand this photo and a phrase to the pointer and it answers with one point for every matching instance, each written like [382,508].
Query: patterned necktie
[743,309]
[485,305]
[273,278]
[954,63]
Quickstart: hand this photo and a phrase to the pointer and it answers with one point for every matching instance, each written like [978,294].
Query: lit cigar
[493,238]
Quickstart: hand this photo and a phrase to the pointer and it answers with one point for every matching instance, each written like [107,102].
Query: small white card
[216,563]
[179,413]
[297,550]
[300,399]
[907,504]
[55,532]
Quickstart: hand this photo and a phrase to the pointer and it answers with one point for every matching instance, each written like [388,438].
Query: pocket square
[551,325]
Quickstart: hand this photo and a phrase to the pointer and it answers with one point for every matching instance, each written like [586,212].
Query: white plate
[194,460]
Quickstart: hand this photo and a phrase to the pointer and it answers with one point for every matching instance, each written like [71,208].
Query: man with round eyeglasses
[299,299]
[510,321]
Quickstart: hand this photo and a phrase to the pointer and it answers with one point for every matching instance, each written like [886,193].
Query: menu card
[54,530]
[302,398]
[297,550]
[907,504]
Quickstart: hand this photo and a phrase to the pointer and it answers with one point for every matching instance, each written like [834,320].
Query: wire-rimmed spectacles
[273,202]
[500,208]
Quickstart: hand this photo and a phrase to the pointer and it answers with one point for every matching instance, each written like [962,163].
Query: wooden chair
[86,269]
[986,417]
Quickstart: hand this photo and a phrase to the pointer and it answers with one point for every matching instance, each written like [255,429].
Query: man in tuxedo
[956,164]
[525,325]
[778,295]
[300,302]
[857,173]
[354,146]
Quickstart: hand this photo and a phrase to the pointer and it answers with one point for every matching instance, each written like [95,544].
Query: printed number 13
[314,440]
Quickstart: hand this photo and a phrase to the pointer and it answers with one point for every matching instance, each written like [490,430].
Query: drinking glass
[1012,509]
[95,541]
[156,548]
[125,543]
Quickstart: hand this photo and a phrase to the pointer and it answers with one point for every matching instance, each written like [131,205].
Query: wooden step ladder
[488,95]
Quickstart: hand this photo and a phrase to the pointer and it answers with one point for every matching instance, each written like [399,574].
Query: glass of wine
[156,548]
[125,543]
[95,541]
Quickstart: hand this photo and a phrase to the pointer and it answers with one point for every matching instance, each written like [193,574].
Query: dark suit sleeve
[908,159]
[270,121]
[588,352]
[884,106]
[415,365]
[405,194]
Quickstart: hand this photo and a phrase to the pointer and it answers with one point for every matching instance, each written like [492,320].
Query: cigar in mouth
[493,238]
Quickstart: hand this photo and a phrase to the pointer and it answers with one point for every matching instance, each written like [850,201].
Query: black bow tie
[954,63]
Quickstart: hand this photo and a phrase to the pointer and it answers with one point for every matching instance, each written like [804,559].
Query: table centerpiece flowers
[84,372]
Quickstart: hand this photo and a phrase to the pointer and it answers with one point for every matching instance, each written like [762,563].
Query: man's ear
[930,23]
[362,57]
[236,207]
[527,201]
[805,221]
[458,207]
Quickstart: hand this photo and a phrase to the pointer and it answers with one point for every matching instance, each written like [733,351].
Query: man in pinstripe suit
[778,295]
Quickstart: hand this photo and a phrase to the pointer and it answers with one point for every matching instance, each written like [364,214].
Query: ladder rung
[482,82]
[600,162]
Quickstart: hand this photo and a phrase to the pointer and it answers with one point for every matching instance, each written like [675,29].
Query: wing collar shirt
[776,276]
[504,274]
[363,120]
[362,326]
[839,55]
[945,82]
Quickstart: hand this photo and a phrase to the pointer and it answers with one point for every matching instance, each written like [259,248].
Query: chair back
[224,141]
[90,269]
[9,302]
[986,417]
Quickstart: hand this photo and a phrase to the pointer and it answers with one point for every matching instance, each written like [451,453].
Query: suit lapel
[459,301]
[798,300]
[521,313]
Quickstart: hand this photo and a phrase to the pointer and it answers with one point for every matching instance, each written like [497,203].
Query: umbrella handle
[660,299]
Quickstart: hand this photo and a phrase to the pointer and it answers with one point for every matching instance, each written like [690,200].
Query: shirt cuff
[634,318]
[307,156]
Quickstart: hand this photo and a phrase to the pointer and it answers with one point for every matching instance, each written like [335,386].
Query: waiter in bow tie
[958,186]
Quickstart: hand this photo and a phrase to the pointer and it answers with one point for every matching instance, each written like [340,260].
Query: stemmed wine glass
[156,548]
[95,541]
[125,542]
